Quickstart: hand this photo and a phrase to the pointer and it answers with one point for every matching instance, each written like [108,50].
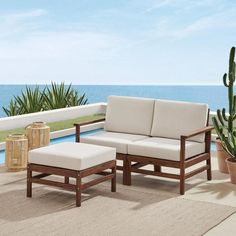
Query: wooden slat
[154,161]
[96,181]
[119,167]
[41,176]
[138,165]
[197,171]
[160,174]
[53,170]
[197,159]
[98,168]
[103,173]
[69,187]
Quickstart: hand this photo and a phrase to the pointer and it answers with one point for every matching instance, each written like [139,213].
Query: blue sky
[116,42]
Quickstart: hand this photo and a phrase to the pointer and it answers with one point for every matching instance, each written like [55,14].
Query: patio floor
[219,191]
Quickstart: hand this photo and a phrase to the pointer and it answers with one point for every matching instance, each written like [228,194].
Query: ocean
[215,96]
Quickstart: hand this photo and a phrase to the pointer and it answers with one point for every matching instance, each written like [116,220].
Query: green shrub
[54,96]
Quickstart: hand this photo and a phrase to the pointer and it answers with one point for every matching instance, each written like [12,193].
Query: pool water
[71,138]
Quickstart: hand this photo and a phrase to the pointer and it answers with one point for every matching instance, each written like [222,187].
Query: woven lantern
[38,134]
[16,152]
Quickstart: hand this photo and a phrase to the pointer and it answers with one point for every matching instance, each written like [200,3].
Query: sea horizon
[178,84]
[99,93]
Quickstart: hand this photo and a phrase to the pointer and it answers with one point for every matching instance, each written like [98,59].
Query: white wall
[13,122]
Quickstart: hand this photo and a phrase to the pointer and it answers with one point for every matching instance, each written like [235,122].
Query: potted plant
[224,123]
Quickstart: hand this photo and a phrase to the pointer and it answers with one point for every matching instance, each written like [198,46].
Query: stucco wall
[13,122]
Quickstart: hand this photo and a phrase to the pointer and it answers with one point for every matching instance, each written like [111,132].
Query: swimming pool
[71,138]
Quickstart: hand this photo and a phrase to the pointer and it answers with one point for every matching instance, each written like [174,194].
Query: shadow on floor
[16,207]
[220,190]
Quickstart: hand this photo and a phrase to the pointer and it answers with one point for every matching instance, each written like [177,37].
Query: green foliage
[30,101]
[223,124]
[13,109]
[58,96]
[74,99]
[54,96]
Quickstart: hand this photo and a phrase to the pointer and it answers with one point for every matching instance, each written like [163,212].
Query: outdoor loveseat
[156,132]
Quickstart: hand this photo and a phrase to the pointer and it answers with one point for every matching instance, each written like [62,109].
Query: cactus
[224,124]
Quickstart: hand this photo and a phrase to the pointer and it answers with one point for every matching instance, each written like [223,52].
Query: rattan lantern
[38,134]
[16,152]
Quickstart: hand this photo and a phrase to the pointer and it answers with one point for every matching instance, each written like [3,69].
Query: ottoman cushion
[74,156]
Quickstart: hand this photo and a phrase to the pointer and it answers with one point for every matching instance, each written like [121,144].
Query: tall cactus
[224,124]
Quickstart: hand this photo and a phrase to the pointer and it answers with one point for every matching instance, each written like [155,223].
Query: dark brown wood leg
[78,190]
[157,168]
[67,180]
[182,180]
[209,173]
[29,183]
[128,180]
[113,180]
[77,133]
[125,171]
[208,150]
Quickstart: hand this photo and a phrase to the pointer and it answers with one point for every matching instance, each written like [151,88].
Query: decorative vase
[222,155]
[16,155]
[38,134]
[232,169]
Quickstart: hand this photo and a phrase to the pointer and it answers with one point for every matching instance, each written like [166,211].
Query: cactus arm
[224,114]
[219,131]
[234,106]
[225,80]
[220,117]
[230,124]
[232,73]
[231,60]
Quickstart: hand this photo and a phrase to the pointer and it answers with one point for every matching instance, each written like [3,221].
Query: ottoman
[71,160]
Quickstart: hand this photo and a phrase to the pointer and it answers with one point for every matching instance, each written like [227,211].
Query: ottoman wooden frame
[68,173]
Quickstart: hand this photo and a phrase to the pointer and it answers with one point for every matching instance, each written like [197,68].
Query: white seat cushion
[74,156]
[119,141]
[172,119]
[164,148]
[129,115]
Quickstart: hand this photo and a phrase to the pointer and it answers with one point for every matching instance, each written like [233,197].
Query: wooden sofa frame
[133,163]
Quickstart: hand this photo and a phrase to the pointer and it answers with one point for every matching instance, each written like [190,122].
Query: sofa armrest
[207,130]
[197,132]
[78,125]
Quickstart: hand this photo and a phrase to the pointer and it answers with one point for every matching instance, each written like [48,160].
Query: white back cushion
[172,119]
[129,115]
